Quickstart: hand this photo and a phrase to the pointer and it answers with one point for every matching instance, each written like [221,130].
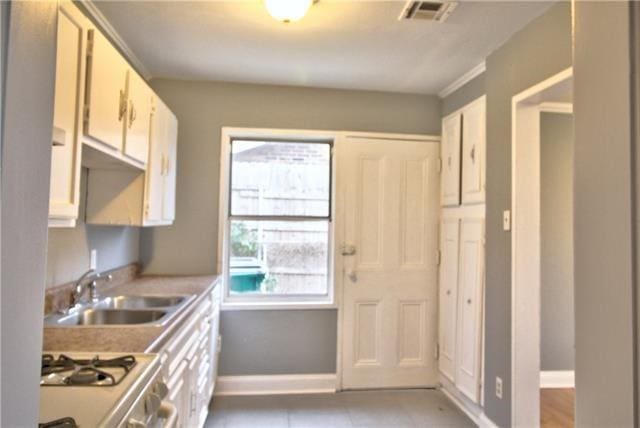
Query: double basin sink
[122,310]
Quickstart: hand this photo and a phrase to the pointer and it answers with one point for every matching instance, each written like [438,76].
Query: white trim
[557,379]
[485,422]
[556,107]
[276,384]
[451,395]
[525,251]
[112,34]
[463,80]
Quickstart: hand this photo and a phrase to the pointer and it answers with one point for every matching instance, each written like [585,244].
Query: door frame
[525,245]
[339,225]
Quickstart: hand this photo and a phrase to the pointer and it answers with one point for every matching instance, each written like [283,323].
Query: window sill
[267,306]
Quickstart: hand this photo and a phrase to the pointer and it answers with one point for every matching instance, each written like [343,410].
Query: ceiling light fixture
[288,10]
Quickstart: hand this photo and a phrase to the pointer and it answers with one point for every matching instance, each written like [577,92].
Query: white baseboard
[557,379]
[276,384]
[460,405]
[485,422]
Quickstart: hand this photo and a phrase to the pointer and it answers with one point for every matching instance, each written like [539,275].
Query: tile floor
[371,409]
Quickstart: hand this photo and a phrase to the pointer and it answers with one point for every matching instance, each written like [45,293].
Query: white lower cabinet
[188,363]
[462,303]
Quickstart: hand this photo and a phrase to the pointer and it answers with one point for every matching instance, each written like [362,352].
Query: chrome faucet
[92,286]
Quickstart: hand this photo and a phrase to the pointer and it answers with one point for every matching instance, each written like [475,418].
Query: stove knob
[161,389]
[152,403]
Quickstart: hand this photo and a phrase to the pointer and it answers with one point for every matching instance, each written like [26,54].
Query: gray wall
[538,51]
[26,160]
[189,246]
[604,219]
[556,259]
[473,89]
[68,251]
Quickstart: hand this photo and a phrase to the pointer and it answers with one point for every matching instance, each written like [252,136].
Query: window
[279,221]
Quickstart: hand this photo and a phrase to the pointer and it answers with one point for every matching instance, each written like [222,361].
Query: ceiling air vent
[437,11]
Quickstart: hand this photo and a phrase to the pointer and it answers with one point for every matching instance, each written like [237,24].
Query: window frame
[273,301]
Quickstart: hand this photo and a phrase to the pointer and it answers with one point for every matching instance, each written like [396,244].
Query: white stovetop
[97,406]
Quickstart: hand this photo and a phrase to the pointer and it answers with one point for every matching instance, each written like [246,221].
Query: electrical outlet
[499,387]
[93,264]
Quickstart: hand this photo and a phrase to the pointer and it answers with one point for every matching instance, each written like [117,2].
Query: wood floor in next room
[557,407]
[374,409]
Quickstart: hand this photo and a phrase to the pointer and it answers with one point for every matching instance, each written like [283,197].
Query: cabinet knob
[473,153]
[468,301]
[448,292]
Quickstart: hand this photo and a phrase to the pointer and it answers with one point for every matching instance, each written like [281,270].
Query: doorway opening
[542,253]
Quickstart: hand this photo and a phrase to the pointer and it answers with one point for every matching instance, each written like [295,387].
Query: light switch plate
[93,264]
[499,387]
[506,220]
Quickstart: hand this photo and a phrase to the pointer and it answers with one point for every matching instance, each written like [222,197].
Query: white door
[470,289]
[448,290]
[67,117]
[154,178]
[106,92]
[136,144]
[389,192]
[171,159]
[473,152]
[450,193]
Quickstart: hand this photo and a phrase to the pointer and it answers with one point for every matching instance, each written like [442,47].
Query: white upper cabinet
[106,98]
[67,117]
[136,144]
[160,186]
[450,158]
[473,152]
[171,158]
[463,155]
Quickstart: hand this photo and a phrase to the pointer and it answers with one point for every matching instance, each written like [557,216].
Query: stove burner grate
[60,423]
[94,372]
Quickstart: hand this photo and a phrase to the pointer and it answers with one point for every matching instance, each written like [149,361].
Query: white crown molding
[276,384]
[555,107]
[557,379]
[462,80]
[111,33]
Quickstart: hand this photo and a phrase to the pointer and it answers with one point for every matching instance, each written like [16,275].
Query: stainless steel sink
[122,310]
[143,302]
[112,317]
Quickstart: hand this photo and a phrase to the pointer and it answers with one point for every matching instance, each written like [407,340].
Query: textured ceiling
[339,44]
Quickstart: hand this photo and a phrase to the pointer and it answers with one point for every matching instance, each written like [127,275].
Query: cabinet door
[171,157]
[136,142]
[67,116]
[154,178]
[450,193]
[449,239]
[106,93]
[473,152]
[470,286]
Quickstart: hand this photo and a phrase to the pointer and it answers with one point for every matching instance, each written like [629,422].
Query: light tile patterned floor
[370,409]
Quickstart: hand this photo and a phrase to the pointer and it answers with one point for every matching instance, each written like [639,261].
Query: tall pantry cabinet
[461,276]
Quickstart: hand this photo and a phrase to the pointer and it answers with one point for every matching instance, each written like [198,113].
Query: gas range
[104,390]
[96,371]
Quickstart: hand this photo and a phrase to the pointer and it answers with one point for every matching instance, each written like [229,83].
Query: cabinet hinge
[438,257]
[85,114]
[437,351]
[439,165]
[90,43]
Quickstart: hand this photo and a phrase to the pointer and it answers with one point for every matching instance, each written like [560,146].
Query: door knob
[351,274]
[348,249]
